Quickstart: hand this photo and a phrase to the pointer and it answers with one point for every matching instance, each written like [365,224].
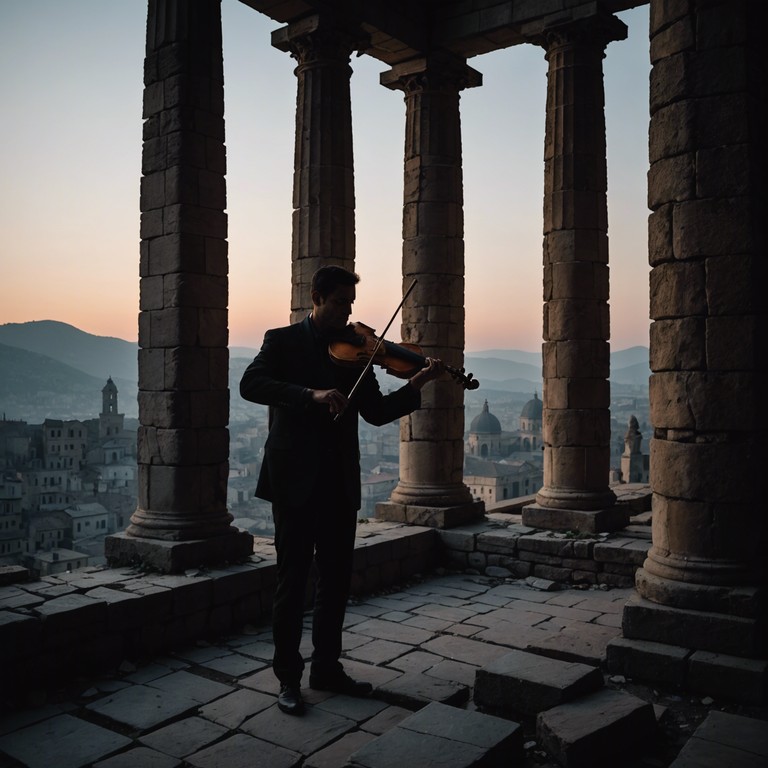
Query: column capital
[591,32]
[435,72]
[319,38]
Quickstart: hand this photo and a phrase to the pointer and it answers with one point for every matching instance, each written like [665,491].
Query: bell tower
[110,421]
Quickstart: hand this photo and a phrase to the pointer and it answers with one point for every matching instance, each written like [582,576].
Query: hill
[53,369]
[34,387]
[100,356]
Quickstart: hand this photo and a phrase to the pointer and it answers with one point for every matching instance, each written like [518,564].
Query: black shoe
[289,700]
[340,682]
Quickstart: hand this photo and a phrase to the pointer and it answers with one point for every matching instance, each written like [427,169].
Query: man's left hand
[432,370]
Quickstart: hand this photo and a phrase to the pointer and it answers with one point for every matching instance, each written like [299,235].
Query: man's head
[328,278]
[333,293]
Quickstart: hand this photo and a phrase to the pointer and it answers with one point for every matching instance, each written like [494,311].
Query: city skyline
[70,201]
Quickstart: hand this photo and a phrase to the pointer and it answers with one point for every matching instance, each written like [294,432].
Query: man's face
[332,312]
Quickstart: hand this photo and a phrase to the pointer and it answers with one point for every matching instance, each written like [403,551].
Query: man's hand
[335,400]
[432,370]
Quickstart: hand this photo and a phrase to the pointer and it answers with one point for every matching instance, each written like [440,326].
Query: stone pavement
[435,651]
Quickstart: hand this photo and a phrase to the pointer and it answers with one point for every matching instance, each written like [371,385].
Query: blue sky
[71,149]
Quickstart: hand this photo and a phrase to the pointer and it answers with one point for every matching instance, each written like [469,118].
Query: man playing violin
[311,474]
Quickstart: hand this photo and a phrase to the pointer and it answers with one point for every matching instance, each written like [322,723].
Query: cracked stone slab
[314,730]
[64,741]
[414,689]
[241,751]
[526,683]
[184,737]
[596,729]
[142,707]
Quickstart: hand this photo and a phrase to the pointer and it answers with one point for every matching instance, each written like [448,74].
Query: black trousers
[324,531]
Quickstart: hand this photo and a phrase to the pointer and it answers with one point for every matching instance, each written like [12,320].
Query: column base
[121,549]
[693,629]
[744,601]
[582,520]
[430,516]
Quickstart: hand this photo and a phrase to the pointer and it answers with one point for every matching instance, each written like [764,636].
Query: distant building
[49,530]
[13,537]
[501,465]
[487,440]
[57,561]
[635,465]
[88,521]
[46,488]
[110,421]
[15,444]
[493,481]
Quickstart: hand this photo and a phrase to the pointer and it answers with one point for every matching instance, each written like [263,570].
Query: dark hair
[328,278]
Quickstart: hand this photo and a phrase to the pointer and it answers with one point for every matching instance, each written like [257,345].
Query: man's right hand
[335,400]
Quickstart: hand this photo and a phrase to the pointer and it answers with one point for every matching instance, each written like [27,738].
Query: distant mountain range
[50,369]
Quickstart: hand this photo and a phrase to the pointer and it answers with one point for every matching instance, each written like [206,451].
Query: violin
[358,346]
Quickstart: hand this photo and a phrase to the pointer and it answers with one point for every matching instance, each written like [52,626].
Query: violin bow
[376,349]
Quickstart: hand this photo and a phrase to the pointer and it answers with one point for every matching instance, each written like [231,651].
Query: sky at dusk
[70,147]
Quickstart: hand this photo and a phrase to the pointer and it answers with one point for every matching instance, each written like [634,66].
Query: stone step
[686,628]
[601,729]
[724,739]
[521,683]
[444,736]
[414,690]
[719,675]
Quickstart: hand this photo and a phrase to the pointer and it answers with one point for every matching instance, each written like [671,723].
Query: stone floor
[214,705]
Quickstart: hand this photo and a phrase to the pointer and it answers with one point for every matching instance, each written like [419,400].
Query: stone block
[646,661]
[177,556]
[584,521]
[20,636]
[622,550]
[660,235]
[124,609]
[599,729]
[13,574]
[699,630]
[552,573]
[714,227]
[233,582]
[722,469]
[462,540]
[521,683]
[501,542]
[414,690]
[547,542]
[459,737]
[729,677]
[71,612]
[678,289]
[671,179]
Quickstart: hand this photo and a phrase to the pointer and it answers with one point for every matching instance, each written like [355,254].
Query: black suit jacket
[304,441]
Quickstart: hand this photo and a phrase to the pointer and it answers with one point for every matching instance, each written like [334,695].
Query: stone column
[183,442]
[431,489]
[323,180]
[576,353]
[706,190]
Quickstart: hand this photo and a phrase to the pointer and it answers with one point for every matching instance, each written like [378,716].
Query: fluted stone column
[576,353]
[431,488]
[183,442]
[323,182]
[703,583]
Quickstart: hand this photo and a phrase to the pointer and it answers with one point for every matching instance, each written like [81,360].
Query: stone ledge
[90,620]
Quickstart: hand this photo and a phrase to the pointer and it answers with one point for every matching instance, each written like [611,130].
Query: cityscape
[67,483]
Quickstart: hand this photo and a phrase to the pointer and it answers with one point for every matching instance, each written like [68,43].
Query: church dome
[532,409]
[485,423]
